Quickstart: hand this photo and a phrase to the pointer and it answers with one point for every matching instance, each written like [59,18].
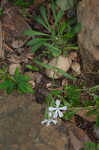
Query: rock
[65,82]
[14,25]
[12,68]
[88,37]
[35,76]
[19,119]
[96,131]
[63,63]
[32,83]
[82,113]
[76,135]
[76,67]
[53,138]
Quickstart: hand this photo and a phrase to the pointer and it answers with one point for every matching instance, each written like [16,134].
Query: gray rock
[88,38]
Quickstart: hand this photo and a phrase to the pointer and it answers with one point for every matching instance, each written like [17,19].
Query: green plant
[91,146]
[17,81]
[23,4]
[58,37]
[1,11]
[70,97]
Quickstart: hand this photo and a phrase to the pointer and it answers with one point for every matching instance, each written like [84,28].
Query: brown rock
[13,67]
[62,63]
[19,119]
[14,25]
[88,16]
[54,137]
[77,136]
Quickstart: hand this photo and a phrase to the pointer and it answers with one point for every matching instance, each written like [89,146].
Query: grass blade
[36,47]
[35,41]
[39,20]
[58,17]
[53,8]
[32,32]
[43,13]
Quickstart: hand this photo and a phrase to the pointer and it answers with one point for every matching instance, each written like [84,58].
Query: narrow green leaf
[66,74]
[43,65]
[3,85]
[58,17]
[39,20]
[35,41]
[43,13]
[36,47]
[76,28]
[54,50]
[32,32]
[10,86]
[34,68]
[53,8]
[62,27]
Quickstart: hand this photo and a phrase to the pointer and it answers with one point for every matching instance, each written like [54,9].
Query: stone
[12,68]
[76,68]
[96,131]
[62,63]
[19,119]
[88,37]
[14,25]
[53,137]
[35,76]
[76,135]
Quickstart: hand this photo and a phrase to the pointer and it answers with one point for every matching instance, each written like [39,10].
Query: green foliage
[91,146]
[1,11]
[73,94]
[70,96]
[23,4]
[17,81]
[34,68]
[58,37]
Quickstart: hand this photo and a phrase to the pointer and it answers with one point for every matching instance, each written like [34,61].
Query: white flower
[48,121]
[57,110]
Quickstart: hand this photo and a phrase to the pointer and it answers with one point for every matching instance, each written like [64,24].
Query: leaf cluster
[70,96]
[17,81]
[58,37]
[91,146]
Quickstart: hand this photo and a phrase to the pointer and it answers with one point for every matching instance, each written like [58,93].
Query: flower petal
[50,114]
[48,123]
[57,103]
[55,114]
[54,121]
[44,121]
[51,109]
[63,108]
[60,114]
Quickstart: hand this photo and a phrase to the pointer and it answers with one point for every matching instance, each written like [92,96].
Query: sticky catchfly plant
[57,110]
[49,121]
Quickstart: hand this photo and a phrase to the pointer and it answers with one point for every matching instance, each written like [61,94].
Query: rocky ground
[21,115]
[21,129]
